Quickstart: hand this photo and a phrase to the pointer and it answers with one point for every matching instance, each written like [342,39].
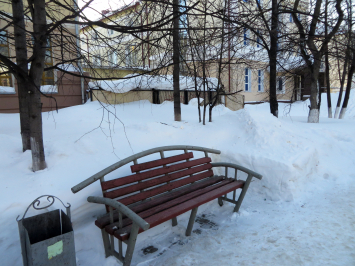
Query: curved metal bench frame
[137,221]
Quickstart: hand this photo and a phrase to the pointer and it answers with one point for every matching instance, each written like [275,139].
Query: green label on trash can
[55,249]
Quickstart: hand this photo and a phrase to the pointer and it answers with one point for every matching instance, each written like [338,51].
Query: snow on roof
[165,82]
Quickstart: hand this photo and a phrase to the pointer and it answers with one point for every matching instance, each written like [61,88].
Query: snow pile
[300,213]
[69,67]
[147,82]
[7,90]
[49,88]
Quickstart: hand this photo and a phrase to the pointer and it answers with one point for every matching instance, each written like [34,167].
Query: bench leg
[242,194]
[174,221]
[107,245]
[131,244]
[220,201]
[191,221]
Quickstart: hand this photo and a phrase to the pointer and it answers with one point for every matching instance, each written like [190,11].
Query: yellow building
[243,63]
[61,46]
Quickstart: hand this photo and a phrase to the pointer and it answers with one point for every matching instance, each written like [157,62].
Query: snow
[7,90]
[44,89]
[300,213]
[69,67]
[49,88]
[164,82]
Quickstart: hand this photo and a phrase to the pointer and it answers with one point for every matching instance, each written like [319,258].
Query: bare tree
[48,23]
[313,46]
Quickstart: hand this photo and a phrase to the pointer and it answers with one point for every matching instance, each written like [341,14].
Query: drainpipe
[79,54]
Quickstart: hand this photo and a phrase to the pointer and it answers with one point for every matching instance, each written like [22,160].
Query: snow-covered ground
[300,213]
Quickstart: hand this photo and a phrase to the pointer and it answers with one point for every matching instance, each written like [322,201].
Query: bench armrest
[238,167]
[121,208]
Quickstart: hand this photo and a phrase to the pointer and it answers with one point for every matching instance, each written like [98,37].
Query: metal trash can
[47,239]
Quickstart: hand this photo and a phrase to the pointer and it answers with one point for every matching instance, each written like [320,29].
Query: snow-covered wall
[131,82]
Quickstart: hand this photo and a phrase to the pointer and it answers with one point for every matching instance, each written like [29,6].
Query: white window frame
[260,80]
[246,37]
[114,58]
[247,79]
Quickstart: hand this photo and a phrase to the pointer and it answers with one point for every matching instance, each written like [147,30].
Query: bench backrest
[157,177]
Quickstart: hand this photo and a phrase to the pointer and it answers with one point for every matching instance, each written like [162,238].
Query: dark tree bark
[21,60]
[329,100]
[348,87]
[342,81]
[176,62]
[38,11]
[273,59]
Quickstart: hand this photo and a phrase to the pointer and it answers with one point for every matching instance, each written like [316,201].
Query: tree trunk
[21,60]
[36,71]
[329,99]
[348,53]
[348,87]
[176,62]
[342,81]
[313,116]
[273,59]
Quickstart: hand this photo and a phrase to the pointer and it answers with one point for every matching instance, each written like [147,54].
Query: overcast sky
[99,5]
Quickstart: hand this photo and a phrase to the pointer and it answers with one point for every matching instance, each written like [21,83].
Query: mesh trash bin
[47,239]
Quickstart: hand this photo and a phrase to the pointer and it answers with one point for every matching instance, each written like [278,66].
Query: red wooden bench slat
[155,191]
[156,181]
[176,193]
[152,173]
[156,209]
[105,220]
[161,162]
[170,213]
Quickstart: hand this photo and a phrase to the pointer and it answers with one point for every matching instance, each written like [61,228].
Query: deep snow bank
[291,154]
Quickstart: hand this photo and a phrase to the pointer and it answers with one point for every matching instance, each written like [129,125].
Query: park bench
[159,191]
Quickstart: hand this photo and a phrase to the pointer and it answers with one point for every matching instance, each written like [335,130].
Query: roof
[113,13]
[148,82]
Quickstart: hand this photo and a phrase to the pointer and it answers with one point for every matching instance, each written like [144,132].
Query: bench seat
[170,205]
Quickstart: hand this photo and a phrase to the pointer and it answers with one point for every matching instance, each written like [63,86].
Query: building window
[114,58]
[258,41]
[183,17]
[291,18]
[260,80]
[48,76]
[246,37]
[280,85]
[131,55]
[97,60]
[94,35]
[247,79]
[5,79]
[110,31]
